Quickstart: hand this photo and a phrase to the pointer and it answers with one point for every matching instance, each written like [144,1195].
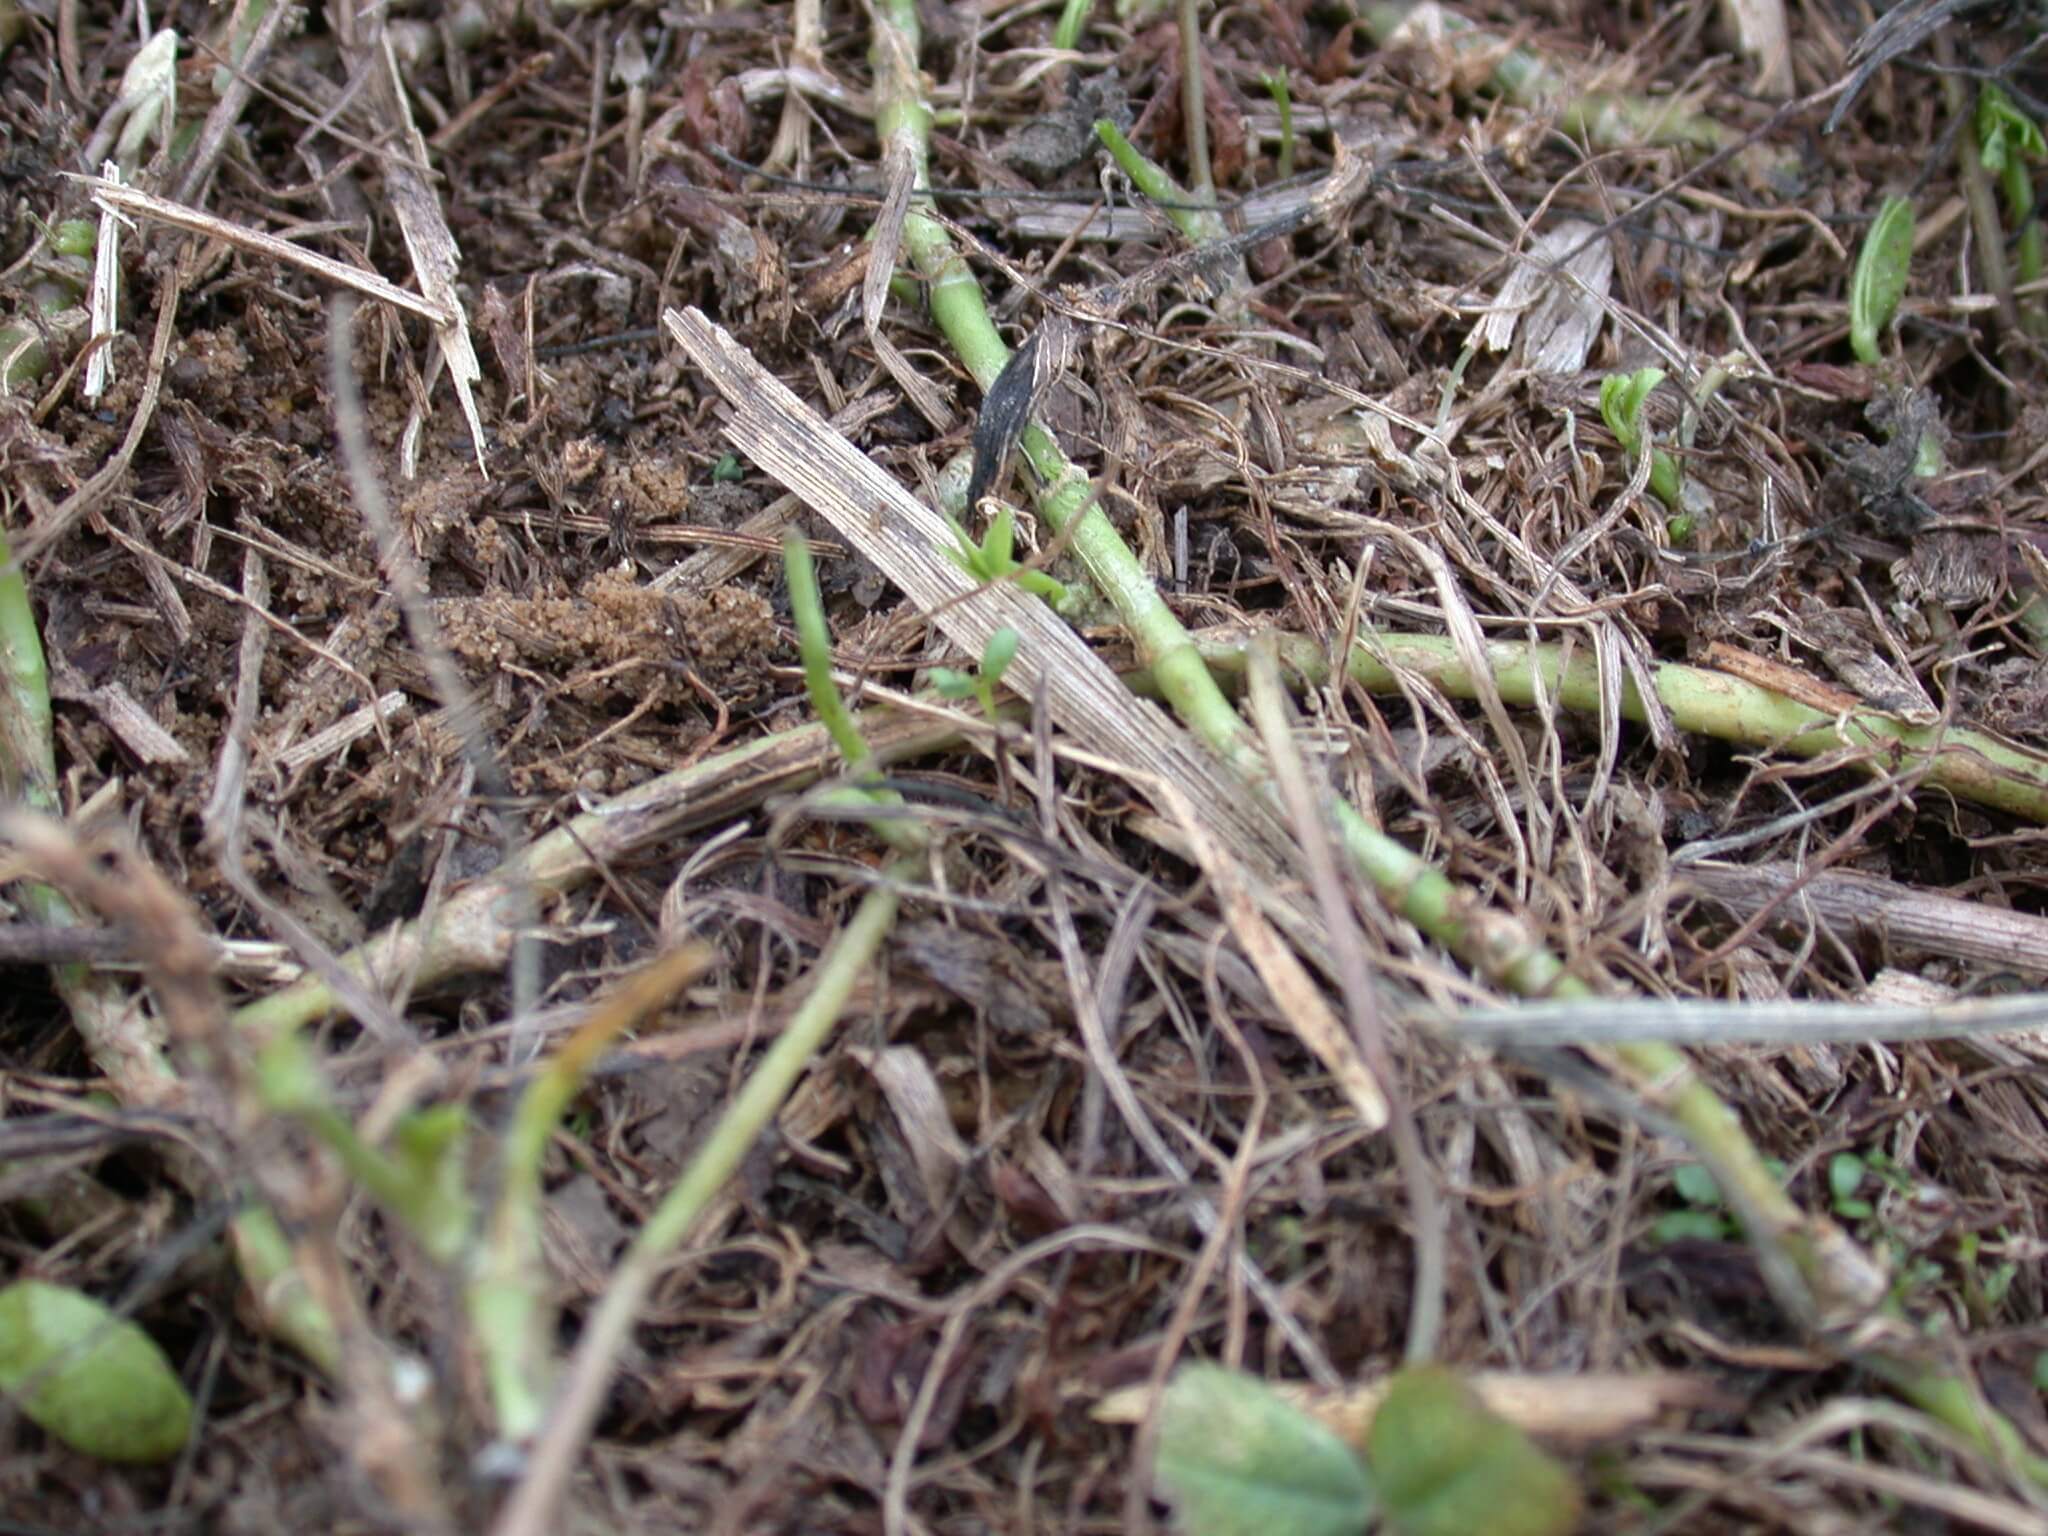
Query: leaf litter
[1395,427]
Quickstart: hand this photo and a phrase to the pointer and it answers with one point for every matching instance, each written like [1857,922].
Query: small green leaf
[1614,410]
[729,470]
[1846,1172]
[88,1376]
[1041,585]
[1237,1459]
[1695,1185]
[428,1146]
[1855,1210]
[952,684]
[1682,1226]
[1998,1281]
[1446,1466]
[997,655]
[999,545]
[75,237]
[1665,483]
[1879,282]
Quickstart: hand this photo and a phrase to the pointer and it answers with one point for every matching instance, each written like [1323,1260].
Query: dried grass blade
[908,540]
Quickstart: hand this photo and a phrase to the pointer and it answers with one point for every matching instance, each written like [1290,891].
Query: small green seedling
[2007,142]
[996,657]
[1705,1216]
[995,557]
[1879,281]
[1621,407]
[1283,103]
[1846,1175]
[728,471]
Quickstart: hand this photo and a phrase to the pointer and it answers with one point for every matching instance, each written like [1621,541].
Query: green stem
[1971,765]
[1977,192]
[1495,945]
[760,1096]
[124,1042]
[1490,942]
[1200,225]
[1283,103]
[508,1287]
[28,761]
[814,645]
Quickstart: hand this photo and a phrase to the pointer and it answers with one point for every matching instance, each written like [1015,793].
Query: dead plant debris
[935,1294]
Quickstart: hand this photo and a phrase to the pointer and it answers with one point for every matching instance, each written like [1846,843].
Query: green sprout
[1199,224]
[996,657]
[1879,281]
[59,285]
[814,644]
[1704,1217]
[2007,142]
[1846,1175]
[1621,407]
[1066,34]
[1704,1214]
[729,471]
[1276,87]
[1236,1458]
[995,557]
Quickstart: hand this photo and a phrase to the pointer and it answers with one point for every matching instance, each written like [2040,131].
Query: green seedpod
[1447,1466]
[88,1376]
[1238,1459]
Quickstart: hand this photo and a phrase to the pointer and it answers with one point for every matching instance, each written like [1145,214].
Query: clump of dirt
[616,639]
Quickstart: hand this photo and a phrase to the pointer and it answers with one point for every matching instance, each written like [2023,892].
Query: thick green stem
[1971,765]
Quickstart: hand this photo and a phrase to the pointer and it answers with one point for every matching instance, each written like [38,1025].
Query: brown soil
[606,584]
